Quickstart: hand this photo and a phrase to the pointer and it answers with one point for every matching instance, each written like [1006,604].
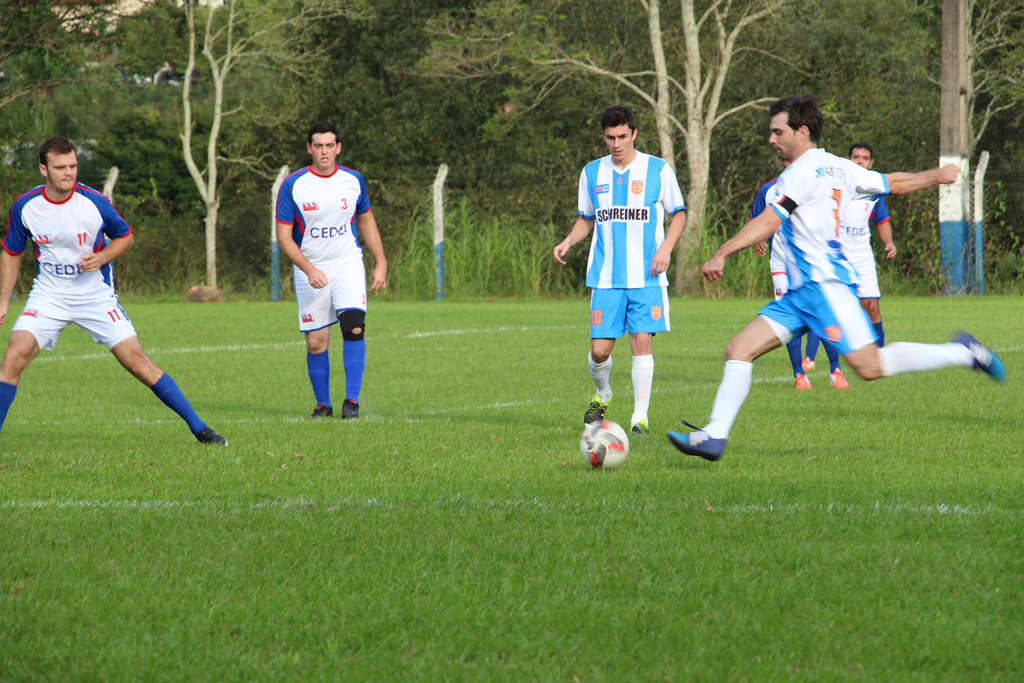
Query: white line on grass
[876,508]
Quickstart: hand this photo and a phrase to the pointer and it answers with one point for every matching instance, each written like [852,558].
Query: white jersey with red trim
[812,195]
[62,233]
[322,211]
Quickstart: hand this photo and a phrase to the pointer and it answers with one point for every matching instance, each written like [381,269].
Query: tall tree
[548,43]
[239,35]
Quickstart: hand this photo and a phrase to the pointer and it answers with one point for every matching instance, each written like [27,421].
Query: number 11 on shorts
[114,314]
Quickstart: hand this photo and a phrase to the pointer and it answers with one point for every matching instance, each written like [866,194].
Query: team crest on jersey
[595,317]
[621,180]
[637,187]
[833,333]
[600,189]
[307,317]
[41,239]
[309,206]
[30,312]
[656,312]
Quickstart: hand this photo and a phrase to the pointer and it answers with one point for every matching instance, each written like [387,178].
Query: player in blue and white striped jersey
[626,197]
[813,193]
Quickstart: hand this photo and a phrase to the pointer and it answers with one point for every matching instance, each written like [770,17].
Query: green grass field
[455,533]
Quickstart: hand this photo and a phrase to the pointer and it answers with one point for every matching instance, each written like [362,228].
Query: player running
[813,194]
[69,225]
[626,195]
[322,211]
[780,283]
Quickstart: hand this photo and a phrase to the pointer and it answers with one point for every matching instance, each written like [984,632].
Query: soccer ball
[604,444]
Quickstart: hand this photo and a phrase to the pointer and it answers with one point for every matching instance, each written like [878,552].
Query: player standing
[812,195]
[626,195]
[322,211]
[67,223]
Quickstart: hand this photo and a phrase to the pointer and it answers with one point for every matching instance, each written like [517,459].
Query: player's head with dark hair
[802,111]
[323,127]
[56,145]
[616,116]
[864,146]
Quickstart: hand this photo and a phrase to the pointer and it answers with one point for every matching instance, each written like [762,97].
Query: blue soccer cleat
[984,358]
[706,447]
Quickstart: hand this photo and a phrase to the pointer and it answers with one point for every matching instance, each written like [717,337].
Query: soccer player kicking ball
[319,211]
[812,195]
[626,196]
[67,223]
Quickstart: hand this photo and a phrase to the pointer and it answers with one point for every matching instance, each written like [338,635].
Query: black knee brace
[349,320]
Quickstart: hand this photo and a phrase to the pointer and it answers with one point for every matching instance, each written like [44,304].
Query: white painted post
[275,250]
[442,173]
[108,184]
[979,225]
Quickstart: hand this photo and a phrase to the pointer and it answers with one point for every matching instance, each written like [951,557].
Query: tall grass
[484,256]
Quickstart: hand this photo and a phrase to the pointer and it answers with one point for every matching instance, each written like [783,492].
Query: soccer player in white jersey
[69,225]
[322,212]
[627,195]
[812,195]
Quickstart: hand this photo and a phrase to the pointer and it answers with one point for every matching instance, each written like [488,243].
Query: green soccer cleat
[595,411]
[640,429]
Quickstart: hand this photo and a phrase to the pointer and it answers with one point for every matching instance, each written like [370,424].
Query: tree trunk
[211,243]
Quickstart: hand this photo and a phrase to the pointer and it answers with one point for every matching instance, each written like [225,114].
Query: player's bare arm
[10,265]
[662,257]
[907,183]
[885,234]
[93,261]
[756,230]
[580,229]
[367,226]
[317,278]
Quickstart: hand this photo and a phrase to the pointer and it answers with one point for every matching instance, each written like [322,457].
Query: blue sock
[833,356]
[168,392]
[794,356]
[880,333]
[319,366]
[355,363]
[812,344]
[7,392]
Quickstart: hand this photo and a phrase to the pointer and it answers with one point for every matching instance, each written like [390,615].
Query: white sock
[732,392]
[899,357]
[643,376]
[601,372]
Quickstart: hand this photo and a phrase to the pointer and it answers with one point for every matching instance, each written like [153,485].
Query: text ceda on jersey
[69,269]
[327,232]
[624,213]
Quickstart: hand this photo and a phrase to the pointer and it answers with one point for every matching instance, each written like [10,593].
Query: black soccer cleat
[207,435]
[595,411]
[322,411]
[349,409]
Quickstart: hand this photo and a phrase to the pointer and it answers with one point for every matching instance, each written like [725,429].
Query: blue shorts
[641,310]
[829,309]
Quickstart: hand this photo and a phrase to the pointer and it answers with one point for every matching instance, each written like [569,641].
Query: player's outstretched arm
[317,278]
[662,257]
[367,226]
[907,183]
[580,229]
[93,261]
[885,234]
[10,265]
[756,230]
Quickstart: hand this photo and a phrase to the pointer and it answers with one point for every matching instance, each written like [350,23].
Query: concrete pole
[442,173]
[275,250]
[979,225]
[954,200]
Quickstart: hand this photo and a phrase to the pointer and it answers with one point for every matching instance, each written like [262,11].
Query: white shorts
[781,283]
[319,308]
[104,319]
[864,263]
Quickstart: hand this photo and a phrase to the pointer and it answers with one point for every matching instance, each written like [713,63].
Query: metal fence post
[275,250]
[979,225]
[442,173]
